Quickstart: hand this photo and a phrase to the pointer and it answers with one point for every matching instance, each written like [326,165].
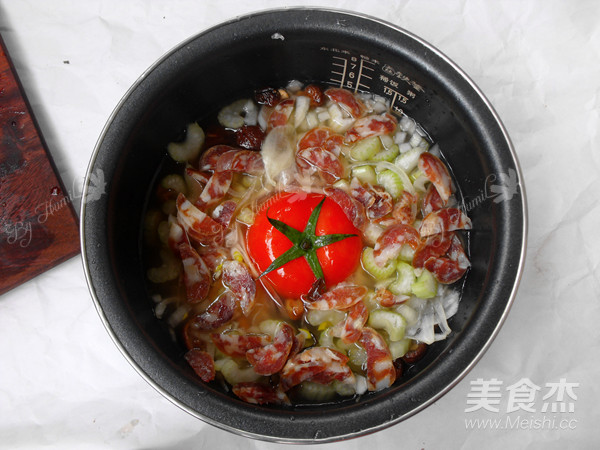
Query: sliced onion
[278,154]
[302,106]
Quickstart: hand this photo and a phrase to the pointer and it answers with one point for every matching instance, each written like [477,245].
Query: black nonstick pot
[269,49]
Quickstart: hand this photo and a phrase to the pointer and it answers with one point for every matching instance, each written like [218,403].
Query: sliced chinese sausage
[350,329]
[434,246]
[196,275]
[444,269]
[194,337]
[325,162]
[405,208]
[377,202]
[389,244]
[381,372]
[215,189]
[223,213]
[315,137]
[436,172]
[382,205]
[315,93]
[457,253]
[342,296]
[374,125]
[387,299]
[260,394]
[346,100]
[202,363]
[208,160]
[322,137]
[335,371]
[281,113]
[307,364]
[334,144]
[432,201]
[198,226]
[354,210]
[218,313]
[214,256]
[199,176]
[241,161]
[384,297]
[449,269]
[298,345]
[271,358]
[236,343]
[443,221]
[238,279]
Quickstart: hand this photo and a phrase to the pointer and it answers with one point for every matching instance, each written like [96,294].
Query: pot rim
[474,360]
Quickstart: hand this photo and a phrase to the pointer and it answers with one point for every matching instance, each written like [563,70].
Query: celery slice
[326,339]
[269,326]
[316,392]
[381,273]
[390,321]
[372,233]
[415,175]
[233,374]
[357,357]
[389,154]
[174,182]
[342,184]
[399,348]
[189,149]
[344,389]
[316,317]
[366,174]
[370,301]
[391,182]
[366,148]
[407,253]
[405,278]
[425,286]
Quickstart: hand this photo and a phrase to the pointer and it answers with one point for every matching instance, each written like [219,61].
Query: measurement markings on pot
[359,73]
[396,97]
[352,73]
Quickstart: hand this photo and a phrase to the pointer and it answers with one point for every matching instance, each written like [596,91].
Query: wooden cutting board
[38,225]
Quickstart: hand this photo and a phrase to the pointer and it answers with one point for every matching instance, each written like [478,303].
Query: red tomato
[338,260]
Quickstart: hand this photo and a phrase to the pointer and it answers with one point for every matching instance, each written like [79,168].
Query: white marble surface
[64,384]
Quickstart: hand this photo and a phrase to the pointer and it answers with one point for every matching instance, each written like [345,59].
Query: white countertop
[64,384]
